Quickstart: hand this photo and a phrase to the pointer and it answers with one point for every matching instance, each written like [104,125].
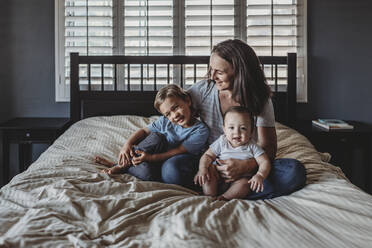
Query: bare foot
[114,170]
[103,161]
[222,198]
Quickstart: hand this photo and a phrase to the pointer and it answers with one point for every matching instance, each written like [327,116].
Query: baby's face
[237,128]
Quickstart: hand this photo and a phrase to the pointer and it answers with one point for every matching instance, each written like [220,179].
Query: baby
[235,143]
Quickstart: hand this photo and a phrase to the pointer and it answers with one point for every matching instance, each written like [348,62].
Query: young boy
[236,143]
[170,145]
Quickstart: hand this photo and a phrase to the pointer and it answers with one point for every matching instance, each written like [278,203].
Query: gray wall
[340,57]
[29,64]
[5,64]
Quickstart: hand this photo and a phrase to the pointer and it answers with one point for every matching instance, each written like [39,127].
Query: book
[332,124]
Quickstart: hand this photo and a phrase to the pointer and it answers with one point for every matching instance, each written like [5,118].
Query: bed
[62,199]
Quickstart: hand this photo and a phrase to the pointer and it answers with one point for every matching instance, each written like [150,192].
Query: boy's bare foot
[103,161]
[222,198]
[117,169]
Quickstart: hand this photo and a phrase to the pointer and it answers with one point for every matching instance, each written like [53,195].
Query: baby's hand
[202,176]
[256,183]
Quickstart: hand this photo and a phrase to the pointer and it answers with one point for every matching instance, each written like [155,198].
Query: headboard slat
[115,77]
[102,77]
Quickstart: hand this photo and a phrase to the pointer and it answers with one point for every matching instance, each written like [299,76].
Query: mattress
[62,200]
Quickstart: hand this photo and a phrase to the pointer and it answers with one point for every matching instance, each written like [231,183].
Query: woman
[236,79]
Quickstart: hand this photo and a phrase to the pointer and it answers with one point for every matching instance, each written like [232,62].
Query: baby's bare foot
[103,161]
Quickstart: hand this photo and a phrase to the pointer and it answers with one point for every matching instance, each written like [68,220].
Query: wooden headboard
[105,96]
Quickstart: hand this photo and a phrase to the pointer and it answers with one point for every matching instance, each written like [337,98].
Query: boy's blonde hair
[171,90]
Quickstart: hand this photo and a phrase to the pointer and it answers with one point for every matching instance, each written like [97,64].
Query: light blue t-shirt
[194,138]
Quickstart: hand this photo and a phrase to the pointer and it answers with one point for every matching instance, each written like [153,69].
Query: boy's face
[177,111]
[237,128]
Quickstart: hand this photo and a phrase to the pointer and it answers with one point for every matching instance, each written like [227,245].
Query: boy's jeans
[179,169]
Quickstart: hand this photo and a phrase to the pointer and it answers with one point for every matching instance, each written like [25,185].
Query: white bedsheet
[63,200]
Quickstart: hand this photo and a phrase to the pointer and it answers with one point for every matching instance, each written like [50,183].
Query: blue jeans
[286,176]
[179,169]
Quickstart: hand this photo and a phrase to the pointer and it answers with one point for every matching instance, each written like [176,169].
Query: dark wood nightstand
[25,132]
[341,144]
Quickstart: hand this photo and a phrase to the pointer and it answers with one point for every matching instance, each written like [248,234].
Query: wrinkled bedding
[63,200]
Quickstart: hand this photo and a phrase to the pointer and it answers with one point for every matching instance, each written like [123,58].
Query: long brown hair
[250,87]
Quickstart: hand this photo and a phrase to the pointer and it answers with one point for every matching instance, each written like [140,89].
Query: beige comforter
[63,200]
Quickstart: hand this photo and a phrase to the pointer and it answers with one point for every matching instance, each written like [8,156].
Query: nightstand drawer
[31,135]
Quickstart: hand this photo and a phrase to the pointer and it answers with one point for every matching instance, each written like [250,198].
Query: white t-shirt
[224,150]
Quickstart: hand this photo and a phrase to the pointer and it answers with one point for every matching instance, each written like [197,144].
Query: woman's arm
[267,140]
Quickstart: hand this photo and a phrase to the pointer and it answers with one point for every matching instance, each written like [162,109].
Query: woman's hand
[140,157]
[202,176]
[125,155]
[256,183]
[232,169]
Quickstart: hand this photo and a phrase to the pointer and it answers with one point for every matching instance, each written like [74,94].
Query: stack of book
[332,124]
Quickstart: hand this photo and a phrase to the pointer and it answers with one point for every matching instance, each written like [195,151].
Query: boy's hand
[140,157]
[125,155]
[256,183]
[202,176]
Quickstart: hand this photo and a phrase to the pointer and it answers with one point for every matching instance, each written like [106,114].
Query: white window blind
[148,27]
[207,22]
[148,30]
[88,28]
[174,27]
[271,31]
[271,26]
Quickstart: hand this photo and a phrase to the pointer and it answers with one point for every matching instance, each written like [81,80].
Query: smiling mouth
[179,120]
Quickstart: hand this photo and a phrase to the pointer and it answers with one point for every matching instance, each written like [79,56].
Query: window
[174,27]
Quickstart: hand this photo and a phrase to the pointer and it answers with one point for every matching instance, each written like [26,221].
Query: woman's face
[221,72]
